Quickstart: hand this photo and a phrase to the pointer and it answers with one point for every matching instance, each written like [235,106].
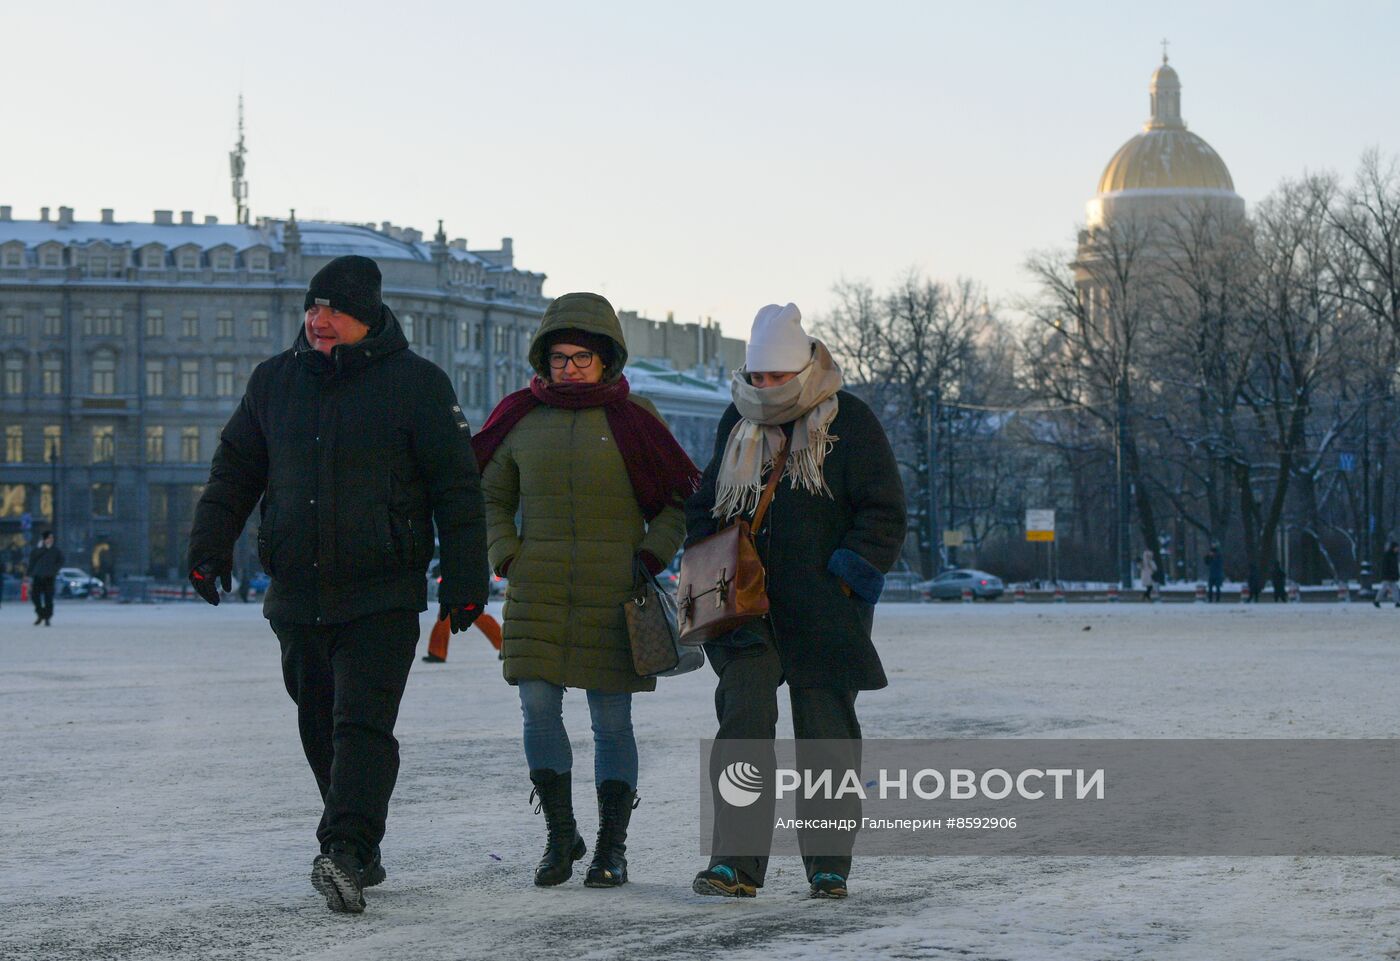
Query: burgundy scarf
[661,472]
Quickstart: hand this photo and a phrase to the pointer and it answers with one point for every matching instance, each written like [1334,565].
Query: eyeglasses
[582,360]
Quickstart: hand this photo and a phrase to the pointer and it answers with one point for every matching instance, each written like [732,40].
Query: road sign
[1346,460]
[1040,520]
[1042,536]
[953,538]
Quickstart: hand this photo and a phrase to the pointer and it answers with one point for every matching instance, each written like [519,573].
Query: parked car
[76,582]
[949,585]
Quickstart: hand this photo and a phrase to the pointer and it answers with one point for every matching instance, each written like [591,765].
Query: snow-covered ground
[155,802]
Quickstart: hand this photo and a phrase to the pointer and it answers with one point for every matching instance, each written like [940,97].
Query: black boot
[564,847]
[616,799]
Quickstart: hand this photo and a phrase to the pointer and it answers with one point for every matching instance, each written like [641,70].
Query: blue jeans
[547,743]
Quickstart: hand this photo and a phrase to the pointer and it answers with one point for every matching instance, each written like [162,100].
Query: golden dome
[1165,155]
[1168,158]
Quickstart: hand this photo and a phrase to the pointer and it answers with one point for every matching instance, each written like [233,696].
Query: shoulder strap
[772,484]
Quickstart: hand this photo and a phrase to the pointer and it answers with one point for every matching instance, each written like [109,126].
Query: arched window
[406,321]
[104,372]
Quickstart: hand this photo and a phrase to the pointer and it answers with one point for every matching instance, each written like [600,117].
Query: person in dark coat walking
[357,448]
[44,563]
[835,526]
[1215,573]
[1390,575]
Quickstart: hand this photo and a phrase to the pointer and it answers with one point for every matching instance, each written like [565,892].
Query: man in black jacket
[356,447]
[44,563]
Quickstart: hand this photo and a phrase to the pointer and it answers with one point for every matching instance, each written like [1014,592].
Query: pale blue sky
[701,158]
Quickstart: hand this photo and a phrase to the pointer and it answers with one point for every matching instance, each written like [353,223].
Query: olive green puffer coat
[571,558]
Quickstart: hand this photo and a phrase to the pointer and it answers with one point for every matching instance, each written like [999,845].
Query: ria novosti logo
[740,784]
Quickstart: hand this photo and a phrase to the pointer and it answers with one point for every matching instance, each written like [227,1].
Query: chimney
[457,243]
[412,235]
[107,213]
[5,214]
[65,215]
[386,227]
[210,220]
[44,214]
[507,246]
[164,217]
[187,218]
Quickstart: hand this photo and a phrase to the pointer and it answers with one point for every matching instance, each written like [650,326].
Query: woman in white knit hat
[835,526]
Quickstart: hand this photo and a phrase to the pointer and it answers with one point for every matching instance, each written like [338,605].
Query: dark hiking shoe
[725,882]
[373,873]
[336,875]
[828,885]
[616,801]
[563,846]
[433,659]
[1376,605]
[40,619]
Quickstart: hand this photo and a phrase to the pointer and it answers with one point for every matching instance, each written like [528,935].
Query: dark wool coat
[45,562]
[823,635]
[355,458]
[1390,566]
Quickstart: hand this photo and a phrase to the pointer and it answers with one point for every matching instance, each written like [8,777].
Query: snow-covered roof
[318,238]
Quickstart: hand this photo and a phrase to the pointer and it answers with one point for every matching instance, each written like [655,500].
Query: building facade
[125,346]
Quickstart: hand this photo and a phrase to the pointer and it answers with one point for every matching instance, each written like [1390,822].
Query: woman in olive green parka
[598,485]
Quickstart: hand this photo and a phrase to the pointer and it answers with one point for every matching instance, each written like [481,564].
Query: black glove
[204,576]
[462,615]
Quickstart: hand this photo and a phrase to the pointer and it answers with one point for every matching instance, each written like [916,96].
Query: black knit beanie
[351,285]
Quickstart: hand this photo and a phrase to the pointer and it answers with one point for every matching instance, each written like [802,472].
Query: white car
[76,582]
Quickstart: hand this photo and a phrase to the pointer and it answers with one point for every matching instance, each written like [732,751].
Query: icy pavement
[156,803]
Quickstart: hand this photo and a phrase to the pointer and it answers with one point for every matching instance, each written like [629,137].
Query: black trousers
[347,681]
[746,703]
[41,592]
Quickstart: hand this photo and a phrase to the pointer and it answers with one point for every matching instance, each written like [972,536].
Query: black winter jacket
[355,457]
[45,561]
[1390,566]
[823,635]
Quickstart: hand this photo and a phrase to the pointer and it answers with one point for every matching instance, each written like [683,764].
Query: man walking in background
[357,448]
[44,563]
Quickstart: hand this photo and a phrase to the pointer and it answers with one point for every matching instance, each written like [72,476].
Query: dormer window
[97,266]
[258,260]
[14,256]
[223,260]
[52,256]
[153,258]
[189,259]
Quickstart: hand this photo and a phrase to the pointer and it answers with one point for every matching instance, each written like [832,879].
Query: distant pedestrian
[1280,581]
[1215,573]
[1390,575]
[44,562]
[1149,575]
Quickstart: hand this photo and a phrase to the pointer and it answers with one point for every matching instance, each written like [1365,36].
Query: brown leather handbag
[723,584]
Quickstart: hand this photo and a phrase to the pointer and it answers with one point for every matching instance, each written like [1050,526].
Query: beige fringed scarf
[810,400]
